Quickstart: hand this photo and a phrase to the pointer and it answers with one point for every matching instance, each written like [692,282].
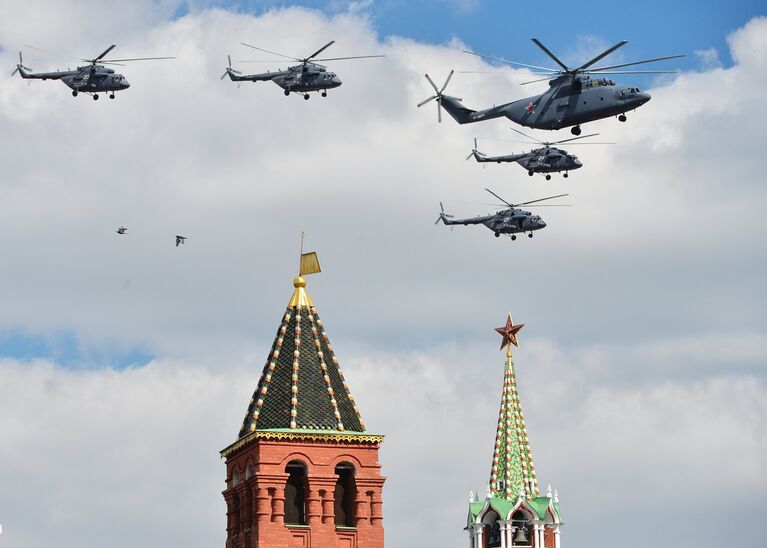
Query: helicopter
[92,78]
[546,160]
[573,97]
[122,230]
[510,221]
[301,79]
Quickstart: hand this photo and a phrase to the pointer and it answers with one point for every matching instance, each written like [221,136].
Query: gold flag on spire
[310,264]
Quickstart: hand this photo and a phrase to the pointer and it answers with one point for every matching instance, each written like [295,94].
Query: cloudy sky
[126,363]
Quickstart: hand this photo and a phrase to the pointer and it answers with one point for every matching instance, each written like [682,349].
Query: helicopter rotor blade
[635,72]
[323,48]
[554,57]
[110,48]
[534,81]
[352,57]
[541,199]
[501,199]
[602,55]
[432,83]
[272,52]
[638,62]
[135,59]
[502,60]
[572,139]
[528,136]
[447,81]
[439,111]
[422,103]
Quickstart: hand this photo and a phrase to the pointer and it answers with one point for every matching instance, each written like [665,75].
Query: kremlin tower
[303,472]
[514,513]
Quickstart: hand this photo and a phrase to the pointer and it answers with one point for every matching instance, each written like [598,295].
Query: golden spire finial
[509,334]
[307,264]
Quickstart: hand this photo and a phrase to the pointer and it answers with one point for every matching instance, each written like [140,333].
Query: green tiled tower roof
[512,471]
[301,387]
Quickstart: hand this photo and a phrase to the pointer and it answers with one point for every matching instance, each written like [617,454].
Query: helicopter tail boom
[464,115]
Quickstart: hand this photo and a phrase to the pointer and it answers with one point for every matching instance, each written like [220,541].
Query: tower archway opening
[344,494]
[295,493]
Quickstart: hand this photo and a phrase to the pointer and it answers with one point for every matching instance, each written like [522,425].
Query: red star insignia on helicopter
[530,108]
[509,333]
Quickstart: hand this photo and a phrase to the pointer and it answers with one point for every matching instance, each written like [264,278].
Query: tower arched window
[344,495]
[492,529]
[523,525]
[295,493]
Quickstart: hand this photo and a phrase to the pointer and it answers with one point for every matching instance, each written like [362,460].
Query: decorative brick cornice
[304,436]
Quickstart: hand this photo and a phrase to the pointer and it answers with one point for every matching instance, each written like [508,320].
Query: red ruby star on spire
[530,108]
[509,333]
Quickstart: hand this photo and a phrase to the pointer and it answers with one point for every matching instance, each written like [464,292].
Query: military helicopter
[546,160]
[301,79]
[92,78]
[573,97]
[510,221]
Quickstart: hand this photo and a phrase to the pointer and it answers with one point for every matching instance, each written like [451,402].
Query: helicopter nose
[126,84]
[643,97]
[336,81]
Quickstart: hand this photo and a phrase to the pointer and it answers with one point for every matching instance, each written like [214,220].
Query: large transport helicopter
[545,160]
[510,221]
[93,78]
[573,97]
[301,79]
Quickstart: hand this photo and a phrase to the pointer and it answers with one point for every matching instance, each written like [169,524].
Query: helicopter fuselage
[302,79]
[507,221]
[86,79]
[549,160]
[296,79]
[541,160]
[569,101]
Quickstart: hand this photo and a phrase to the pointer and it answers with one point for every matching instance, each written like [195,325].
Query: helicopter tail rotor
[20,68]
[438,94]
[229,70]
[442,215]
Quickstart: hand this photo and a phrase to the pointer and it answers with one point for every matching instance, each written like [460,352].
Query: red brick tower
[303,471]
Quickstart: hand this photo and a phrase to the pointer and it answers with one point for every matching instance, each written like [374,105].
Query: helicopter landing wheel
[564,175]
[286,92]
[548,177]
[74,93]
[575,130]
[306,96]
[513,237]
[95,96]
[497,234]
[530,235]
[324,93]
[622,118]
[111,95]
[530,173]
